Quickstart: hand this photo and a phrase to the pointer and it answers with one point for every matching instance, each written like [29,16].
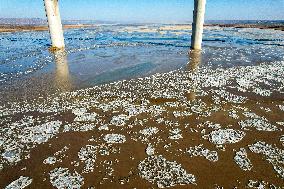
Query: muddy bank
[260,26]
[25,28]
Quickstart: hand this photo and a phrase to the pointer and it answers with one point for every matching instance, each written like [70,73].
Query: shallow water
[110,53]
[215,122]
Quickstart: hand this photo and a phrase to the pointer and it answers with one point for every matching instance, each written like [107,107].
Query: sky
[171,11]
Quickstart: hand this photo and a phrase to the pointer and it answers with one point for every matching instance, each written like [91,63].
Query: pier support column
[197,24]
[54,23]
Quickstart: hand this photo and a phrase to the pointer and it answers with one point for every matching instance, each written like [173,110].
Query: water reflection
[195,58]
[62,79]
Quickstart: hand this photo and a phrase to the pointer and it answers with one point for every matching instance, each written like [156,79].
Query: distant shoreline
[8,28]
[28,28]
[260,26]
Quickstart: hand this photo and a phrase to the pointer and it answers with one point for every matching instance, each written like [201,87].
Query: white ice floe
[50,160]
[79,111]
[282,140]
[157,170]
[224,136]
[266,109]
[160,120]
[261,185]
[181,113]
[62,178]
[252,115]
[12,155]
[203,152]
[87,127]
[242,160]
[103,127]
[256,184]
[40,133]
[245,82]
[87,155]
[259,124]
[273,155]
[229,97]
[20,183]
[281,107]
[149,131]
[262,92]
[119,120]
[150,150]
[115,138]
[209,124]
[233,114]
[86,117]
[175,134]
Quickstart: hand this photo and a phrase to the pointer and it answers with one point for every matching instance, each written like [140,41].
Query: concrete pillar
[54,23]
[197,24]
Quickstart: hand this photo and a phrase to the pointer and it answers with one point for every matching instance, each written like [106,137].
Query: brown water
[165,114]
[135,110]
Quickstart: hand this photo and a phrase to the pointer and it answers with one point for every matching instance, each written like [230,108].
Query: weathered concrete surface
[197,24]
[54,23]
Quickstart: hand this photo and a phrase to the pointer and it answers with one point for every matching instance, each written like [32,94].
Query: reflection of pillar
[197,24]
[54,23]
[195,58]
[62,77]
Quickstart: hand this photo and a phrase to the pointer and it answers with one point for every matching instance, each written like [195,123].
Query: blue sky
[147,10]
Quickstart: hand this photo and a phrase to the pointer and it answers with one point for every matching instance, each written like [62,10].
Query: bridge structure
[56,30]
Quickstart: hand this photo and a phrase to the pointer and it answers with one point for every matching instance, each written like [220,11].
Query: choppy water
[109,53]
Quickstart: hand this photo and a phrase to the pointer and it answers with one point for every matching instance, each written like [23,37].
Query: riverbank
[27,28]
[260,26]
